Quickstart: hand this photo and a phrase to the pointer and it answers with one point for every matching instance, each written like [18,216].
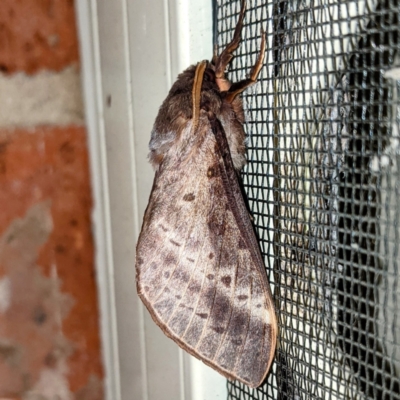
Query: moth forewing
[199,268]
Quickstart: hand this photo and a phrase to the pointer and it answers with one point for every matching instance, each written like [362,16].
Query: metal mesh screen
[323,181]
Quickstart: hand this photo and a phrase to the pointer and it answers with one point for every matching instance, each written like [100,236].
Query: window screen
[323,183]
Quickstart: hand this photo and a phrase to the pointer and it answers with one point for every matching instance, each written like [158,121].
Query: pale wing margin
[198,269]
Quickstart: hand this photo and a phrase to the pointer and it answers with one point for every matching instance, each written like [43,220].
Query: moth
[199,269]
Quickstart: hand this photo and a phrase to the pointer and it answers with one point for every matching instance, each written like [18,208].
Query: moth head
[221,81]
[203,91]
[187,96]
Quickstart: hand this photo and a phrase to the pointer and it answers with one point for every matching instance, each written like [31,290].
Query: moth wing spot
[210,276]
[184,306]
[237,342]
[258,306]
[163,228]
[190,259]
[139,261]
[202,315]
[211,256]
[170,259]
[226,280]
[243,297]
[195,288]
[175,243]
[189,197]
[178,296]
[218,329]
[212,171]
[216,228]
[242,244]
[183,276]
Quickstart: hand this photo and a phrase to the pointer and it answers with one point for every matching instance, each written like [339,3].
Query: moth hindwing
[199,268]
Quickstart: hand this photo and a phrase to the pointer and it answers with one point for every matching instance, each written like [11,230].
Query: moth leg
[226,56]
[239,87]
[215,55]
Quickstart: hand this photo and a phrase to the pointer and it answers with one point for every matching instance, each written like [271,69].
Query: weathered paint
[5,294]
[45,98]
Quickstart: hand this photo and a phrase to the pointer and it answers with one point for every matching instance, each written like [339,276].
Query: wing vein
[194,309]
[248,325]
[189,281]
[215,290]
[179,258]
[230,315]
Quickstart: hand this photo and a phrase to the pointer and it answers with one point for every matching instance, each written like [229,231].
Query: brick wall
[49,328]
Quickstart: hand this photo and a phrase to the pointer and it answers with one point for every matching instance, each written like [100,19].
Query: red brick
[39,166]
[37,34]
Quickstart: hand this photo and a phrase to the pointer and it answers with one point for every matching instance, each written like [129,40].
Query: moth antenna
[239,87]
[196,93]
[215,55]
[226,56]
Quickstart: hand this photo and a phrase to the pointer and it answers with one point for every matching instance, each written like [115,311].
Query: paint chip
[5,294]
[52,384]
[47,98]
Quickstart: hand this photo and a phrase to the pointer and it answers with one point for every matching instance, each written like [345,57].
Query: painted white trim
[92,93]
[137,225]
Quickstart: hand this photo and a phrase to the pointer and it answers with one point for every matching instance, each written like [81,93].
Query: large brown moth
[199,269]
